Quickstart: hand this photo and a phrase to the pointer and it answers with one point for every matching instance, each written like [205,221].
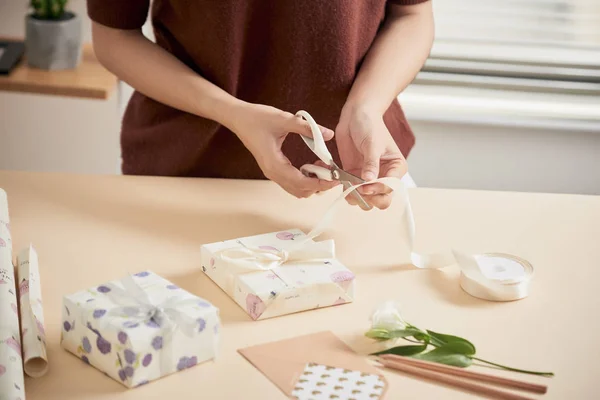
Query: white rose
[387,317]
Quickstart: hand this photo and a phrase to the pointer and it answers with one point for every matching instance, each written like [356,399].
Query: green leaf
[441,340]
[447,355]
[409,350]
[465,348]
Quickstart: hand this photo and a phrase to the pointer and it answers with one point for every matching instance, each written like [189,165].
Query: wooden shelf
[89,80]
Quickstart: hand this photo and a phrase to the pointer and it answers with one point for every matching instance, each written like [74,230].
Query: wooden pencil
[478,376]
[453,381]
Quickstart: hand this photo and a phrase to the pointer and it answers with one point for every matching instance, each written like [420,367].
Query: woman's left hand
[368,150]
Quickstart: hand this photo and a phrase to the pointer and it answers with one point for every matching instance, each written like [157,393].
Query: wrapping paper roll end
[36,367]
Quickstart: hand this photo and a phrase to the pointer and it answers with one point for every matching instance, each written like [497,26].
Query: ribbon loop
[253,259]
[137,305]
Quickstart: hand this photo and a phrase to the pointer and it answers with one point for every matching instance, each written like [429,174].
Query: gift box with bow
[140,328]
[278,273]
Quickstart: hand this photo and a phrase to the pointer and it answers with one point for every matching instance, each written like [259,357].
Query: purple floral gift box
[278,273]
[140,328]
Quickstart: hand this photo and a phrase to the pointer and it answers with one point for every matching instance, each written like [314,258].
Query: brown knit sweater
[289,54]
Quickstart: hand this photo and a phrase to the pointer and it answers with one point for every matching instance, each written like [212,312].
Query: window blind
[529,45]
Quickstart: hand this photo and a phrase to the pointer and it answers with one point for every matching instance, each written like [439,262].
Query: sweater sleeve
[119,14]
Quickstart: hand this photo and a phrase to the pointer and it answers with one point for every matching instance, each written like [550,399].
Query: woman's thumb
[302,127]
[371,156]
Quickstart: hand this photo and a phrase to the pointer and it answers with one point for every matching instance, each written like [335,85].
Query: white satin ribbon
[474,280]
[248,259]
[166,314]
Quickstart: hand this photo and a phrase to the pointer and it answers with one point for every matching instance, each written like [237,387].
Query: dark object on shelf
[10,55]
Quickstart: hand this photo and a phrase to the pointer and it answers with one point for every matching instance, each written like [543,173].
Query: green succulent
[48,9]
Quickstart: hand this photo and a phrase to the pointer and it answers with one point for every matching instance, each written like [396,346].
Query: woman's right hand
[262,129]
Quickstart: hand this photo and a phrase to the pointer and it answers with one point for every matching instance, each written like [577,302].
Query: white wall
[457,146]
[504,140]
[51,133]
[455,155]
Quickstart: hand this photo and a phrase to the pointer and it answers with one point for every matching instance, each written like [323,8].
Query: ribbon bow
[249,259]
[135,303]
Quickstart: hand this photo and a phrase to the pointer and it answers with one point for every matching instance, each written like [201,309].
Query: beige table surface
[90,229]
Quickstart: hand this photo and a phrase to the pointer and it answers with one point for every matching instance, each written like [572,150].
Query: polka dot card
[322,382]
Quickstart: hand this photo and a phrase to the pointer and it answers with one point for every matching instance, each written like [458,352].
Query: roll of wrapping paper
[12,380]
[33,336]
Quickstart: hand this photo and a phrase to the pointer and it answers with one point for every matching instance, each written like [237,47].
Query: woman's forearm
[159,75]
[396,56]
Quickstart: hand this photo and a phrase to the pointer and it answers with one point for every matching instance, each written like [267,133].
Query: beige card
[284,362]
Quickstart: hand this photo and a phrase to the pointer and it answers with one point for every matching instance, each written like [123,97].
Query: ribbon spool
[493,276]
[507,278]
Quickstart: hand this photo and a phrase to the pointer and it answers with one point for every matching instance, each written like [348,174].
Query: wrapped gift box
[140,328]
[278,273]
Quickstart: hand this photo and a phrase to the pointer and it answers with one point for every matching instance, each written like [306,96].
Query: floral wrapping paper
[289,288]
[12,380]
[33,335]
[134,352]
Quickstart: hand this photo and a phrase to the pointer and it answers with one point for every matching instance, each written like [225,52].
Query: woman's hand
[368,150]
[263,129]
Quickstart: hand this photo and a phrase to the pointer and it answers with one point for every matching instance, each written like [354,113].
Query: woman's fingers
[282,172]
[301,126]
[394,168]
[374,189]
[371,153]
[351,200]
[381,201]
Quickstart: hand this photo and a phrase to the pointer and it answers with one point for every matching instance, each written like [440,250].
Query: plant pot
[53,44]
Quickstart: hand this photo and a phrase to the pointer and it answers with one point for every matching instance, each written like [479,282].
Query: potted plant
[53,36]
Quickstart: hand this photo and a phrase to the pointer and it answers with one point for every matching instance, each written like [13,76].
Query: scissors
[317,145]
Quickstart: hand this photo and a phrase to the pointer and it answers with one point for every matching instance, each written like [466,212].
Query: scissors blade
[361,201]
[349,180]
